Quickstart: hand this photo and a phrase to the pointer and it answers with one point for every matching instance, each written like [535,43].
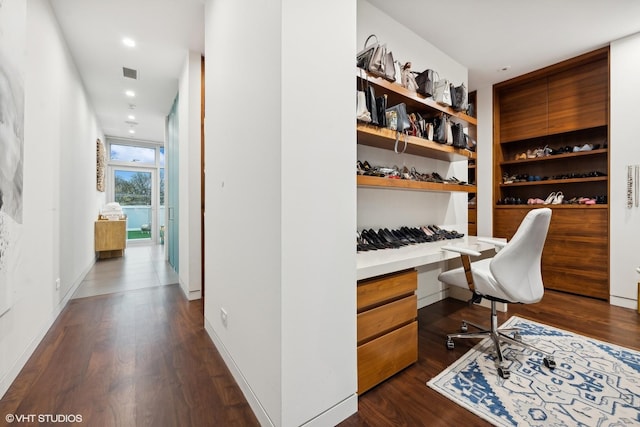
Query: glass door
[134,189]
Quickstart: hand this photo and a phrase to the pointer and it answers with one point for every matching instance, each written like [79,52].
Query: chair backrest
[516,267]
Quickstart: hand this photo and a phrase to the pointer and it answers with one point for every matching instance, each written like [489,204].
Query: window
[133,154]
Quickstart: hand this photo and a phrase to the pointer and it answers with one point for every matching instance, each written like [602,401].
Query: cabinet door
[110,235]
[576,253]
[579,97]
[523,110]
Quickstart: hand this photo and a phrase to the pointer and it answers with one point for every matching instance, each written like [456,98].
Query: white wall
[391,208]
[60,197]
[279,225]
[484,161]
[189,105]
[624,150]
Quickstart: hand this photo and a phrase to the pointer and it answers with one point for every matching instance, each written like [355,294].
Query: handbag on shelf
[439,130]
[449,131]
[381,109]
[408,80]
[370,98]
[362,112]
[459,138]
[426,82]
[459,97]
[442,93]
[398,120]
[363,58]
[376,59]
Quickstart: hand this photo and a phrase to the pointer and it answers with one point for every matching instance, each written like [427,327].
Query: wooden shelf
[563,206]
[406,184]
[414,101]
[384,138]
[556,182]
[557,157]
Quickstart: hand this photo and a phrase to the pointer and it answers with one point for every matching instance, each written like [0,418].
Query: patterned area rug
[594,383]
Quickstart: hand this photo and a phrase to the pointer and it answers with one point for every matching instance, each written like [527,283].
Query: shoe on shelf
[558,199]
[550,198]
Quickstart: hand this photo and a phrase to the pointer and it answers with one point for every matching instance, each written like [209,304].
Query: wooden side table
[110,238]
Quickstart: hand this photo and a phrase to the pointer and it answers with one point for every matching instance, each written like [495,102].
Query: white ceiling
[164,31]
[483,35]
[526,35]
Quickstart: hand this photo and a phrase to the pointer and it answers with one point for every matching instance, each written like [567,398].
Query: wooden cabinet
[564,108]
[110,238]
[387,326]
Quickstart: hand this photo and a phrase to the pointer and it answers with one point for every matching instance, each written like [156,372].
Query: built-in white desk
[377,263]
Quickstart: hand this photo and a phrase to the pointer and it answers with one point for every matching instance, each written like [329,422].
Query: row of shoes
[510,179]
[364,168]
[370,240]
[555,198]
[548,151]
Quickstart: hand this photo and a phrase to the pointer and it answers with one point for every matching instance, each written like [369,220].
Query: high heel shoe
[550,198]
[558,199]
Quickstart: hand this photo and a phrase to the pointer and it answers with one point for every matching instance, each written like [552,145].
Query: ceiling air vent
[130,73]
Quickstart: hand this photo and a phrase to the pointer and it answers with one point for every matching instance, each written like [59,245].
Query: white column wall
[59,195]
[484,161]
[243,196]
[280,204]
[624,150]
[189,156]
[318,208]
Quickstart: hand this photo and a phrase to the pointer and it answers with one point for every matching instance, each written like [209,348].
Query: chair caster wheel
[450,344]
[504,373]
[464,327]
[549,363]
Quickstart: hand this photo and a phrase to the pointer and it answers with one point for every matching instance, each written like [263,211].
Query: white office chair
[513,275]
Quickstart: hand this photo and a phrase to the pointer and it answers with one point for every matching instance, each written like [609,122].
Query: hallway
[134,358]
[142,266]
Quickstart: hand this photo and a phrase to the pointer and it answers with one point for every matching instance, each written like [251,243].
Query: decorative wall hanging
[100,164]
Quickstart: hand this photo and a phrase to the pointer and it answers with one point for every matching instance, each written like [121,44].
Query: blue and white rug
[594,383]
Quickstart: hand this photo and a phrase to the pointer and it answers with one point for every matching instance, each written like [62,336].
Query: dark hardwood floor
[142,358]
[405,400]
[137,358]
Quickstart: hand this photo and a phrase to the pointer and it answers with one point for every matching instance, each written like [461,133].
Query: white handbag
[443,92]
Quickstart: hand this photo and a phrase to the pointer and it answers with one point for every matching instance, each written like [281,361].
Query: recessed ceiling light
[131,117]
[130,93]
[132,131]
[129,42]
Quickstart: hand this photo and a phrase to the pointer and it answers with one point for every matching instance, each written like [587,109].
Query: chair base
[496,336]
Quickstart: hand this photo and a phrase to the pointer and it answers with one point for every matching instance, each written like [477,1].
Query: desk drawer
[383,357]
[375,322]
[378,290]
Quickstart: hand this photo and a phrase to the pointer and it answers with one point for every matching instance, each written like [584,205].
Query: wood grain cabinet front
[387,327]
[110,238]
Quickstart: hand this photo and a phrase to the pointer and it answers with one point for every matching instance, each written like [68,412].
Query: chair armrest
[499,244]
[461,250]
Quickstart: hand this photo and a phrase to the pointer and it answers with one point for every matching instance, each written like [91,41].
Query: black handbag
[363,58]
[381,108]
[370,96]
[440,130]
[426,82]
[459,97]
[459,139]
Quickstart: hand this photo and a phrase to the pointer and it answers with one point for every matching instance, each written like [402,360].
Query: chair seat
[483,280]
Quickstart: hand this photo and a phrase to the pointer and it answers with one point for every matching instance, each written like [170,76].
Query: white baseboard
[12,374]
[252,399]
[332,416]
[623,302]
